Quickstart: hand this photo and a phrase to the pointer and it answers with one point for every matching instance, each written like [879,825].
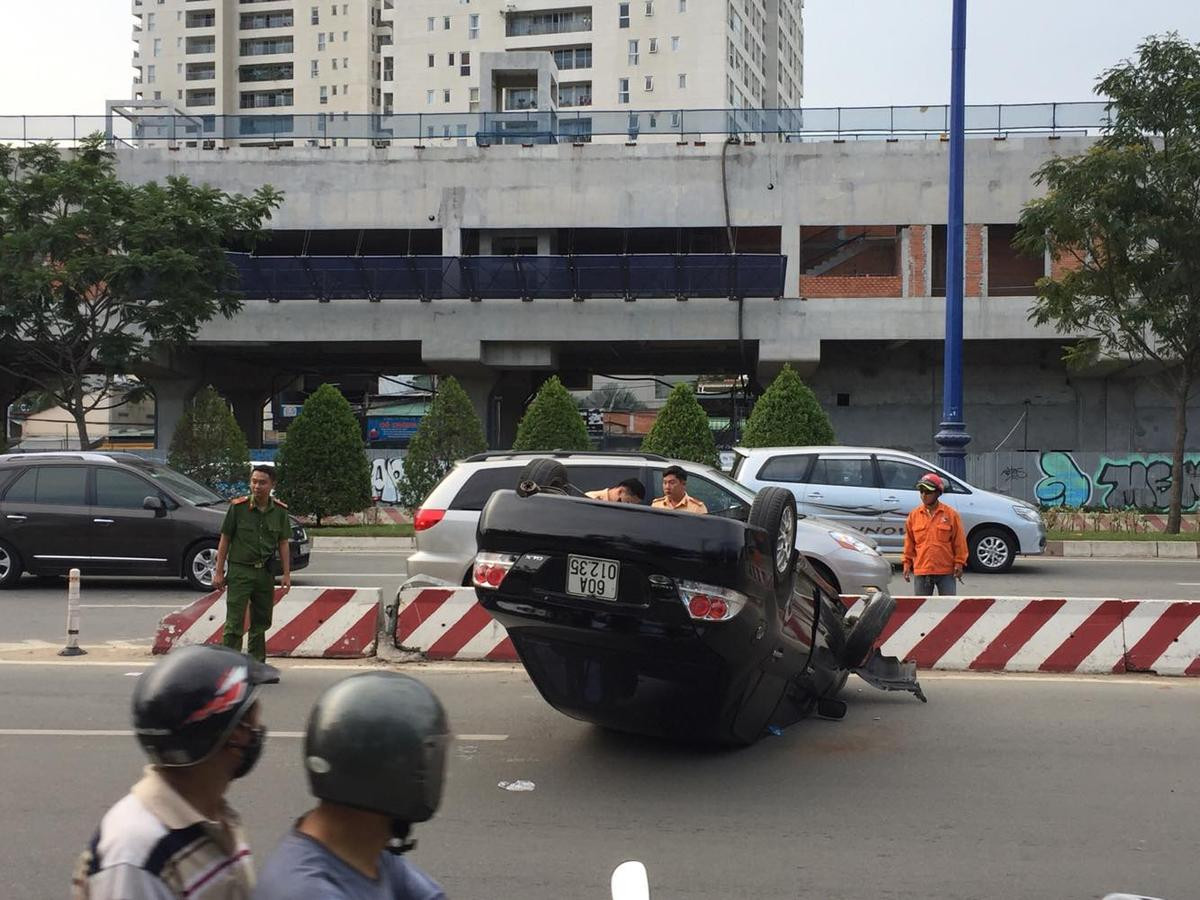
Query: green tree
[208,445]
[1124,217]
[611,396]
[681,430]
[95,271]
[552,422]
[449,431]
[322,463]
[787,415]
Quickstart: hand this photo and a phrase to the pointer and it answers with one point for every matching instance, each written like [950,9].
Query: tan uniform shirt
[602,494]
[687,504]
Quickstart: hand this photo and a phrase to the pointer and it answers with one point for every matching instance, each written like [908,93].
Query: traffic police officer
[254,528]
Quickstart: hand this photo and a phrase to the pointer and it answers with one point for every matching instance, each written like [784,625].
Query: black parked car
[670,623]
[110,514]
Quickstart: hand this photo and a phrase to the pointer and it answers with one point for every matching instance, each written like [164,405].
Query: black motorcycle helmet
[185,707]
[378,741]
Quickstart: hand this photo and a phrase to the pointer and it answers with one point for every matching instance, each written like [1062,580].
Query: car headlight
[852,543]
[1028,513]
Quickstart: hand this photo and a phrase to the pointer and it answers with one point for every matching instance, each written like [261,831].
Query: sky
[62,57]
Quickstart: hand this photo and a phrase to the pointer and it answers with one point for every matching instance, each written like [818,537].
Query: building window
[335,90]
[622,90]
[149,74]
[682,80]
[149,21]
[674,43]
[429,24]
[473,95]
[320,40]
[345,36]
[389,70]
[157,46]
[316,15]
[335,64]
[633,53]
[314,69]
[649,83]
[324,95]
[653,45]
[264,99]
[387,103]
[473,26]
[464,63]
[265,72]
[445,23]
[446,95]
[683,5]
[429,98]
[345,62]
[450,59]
[332,36]
[429,60]
[252,21]
[649,7]
[333,10]
[622,15]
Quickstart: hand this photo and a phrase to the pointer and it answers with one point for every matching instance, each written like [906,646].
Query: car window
[183,486]
[482,483]
[898,475]
[121,489]
[792,467]
[843,471]
[55,485]
[24,489]
[716,497]
[593,477]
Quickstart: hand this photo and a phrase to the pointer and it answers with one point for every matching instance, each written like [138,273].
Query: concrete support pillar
[790,247]
[451,217]
[171,396]
[248,411]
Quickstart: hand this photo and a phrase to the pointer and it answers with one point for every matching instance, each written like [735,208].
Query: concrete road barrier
[449,623]
[1052,634]
[310,622]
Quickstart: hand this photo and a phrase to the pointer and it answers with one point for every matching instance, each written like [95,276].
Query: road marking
[102,732]
[130,605]
[1188,583]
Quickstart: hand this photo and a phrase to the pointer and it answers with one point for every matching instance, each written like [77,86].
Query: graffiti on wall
[1138,479]
[387,474]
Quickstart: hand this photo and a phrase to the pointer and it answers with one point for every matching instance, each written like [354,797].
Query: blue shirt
[302,868]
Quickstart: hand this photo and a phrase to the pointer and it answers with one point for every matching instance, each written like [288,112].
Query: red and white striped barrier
[313,622]
[449,623]
[1061,634]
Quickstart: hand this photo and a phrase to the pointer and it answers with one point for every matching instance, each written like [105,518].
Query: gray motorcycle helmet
[378,741]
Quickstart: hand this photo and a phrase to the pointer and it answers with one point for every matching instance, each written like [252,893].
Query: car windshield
[180,485]
[734,487]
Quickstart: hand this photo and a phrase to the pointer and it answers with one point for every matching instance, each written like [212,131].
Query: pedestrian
[935,548]
[375,754]
[196,715]
[255,529]
[631,490]
[675,495]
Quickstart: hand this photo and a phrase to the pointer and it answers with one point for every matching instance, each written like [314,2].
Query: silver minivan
[872,490]
[445,524]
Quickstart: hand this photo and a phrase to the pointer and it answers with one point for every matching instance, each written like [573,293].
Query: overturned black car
[670,623]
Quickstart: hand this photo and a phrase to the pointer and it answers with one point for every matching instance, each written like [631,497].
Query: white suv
[445,524]
[870,491]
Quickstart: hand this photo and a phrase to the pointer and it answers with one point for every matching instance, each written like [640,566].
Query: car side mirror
[156,504]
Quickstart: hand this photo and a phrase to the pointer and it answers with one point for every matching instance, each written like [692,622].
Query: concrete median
[309,622]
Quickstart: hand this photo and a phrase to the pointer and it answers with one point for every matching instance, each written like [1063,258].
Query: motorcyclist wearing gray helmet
[375,754]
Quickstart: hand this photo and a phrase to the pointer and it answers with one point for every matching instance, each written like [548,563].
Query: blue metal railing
[630,276]
[563,125]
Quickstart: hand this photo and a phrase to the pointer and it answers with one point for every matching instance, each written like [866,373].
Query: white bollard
[72,648]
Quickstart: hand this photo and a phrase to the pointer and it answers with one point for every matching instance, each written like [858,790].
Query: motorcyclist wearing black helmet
[375,753]
[196,715]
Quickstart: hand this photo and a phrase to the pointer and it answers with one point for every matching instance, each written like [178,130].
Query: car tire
[199,565]
[547,475]
[774,511]
[10,565]
[993,550]
[868,628]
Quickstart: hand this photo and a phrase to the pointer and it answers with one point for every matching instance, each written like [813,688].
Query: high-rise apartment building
[259,60]
[640,54]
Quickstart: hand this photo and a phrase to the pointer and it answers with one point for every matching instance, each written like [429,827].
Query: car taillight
[427,518]
[490,568]
[708,603]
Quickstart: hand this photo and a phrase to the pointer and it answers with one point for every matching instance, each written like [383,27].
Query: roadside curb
[320,542]
[1124,549]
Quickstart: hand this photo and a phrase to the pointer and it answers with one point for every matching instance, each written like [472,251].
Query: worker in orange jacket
[935,548]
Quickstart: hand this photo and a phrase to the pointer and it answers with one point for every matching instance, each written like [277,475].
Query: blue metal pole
[952,438]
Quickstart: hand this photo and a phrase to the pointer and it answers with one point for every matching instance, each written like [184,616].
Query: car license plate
[591,577]
[305,548]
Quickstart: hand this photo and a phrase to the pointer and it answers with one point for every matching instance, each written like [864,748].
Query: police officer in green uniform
[254,528]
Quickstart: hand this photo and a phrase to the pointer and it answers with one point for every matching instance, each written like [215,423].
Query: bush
[787,415]
[681,430]
[322,464]
[552,422]
[449,431]
[208,445]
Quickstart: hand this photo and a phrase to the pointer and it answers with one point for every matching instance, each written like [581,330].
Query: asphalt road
[126,611]
[1001,786]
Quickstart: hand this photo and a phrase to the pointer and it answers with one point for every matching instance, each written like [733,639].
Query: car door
[46,513]
[126,538]
[898,492]
[841,487]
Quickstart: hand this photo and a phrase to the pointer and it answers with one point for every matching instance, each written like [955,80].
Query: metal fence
[141,126]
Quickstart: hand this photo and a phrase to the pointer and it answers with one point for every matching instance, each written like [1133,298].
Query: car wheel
[868,628]
[548,475]
[200,565]
[992,551]
[10,565]
[774,511]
